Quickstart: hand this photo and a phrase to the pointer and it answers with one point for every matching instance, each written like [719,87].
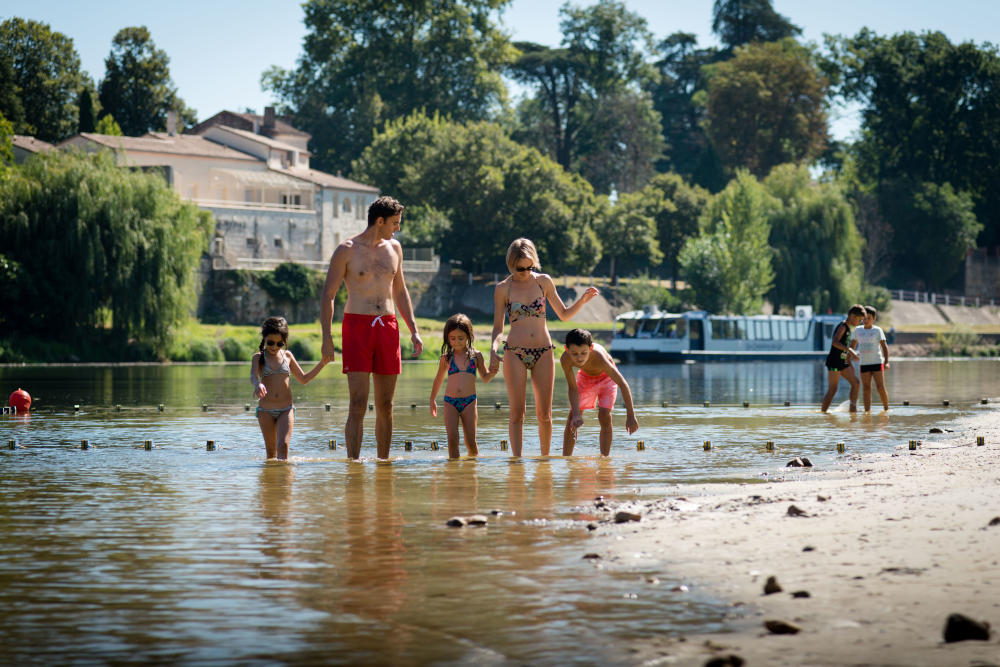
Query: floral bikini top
[517,311]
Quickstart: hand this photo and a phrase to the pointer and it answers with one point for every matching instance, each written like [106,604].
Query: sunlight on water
[179,554]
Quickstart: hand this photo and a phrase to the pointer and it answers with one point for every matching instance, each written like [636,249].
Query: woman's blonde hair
[522,249]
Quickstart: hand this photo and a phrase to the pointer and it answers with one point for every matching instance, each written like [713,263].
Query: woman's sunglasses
[523,268]
[271,343]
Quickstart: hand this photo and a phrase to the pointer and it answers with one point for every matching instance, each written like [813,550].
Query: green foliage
[234,349]
[98,247]
[198,349]
[729,265]
[936,226]
[642,291]
[10,102]
[88,111]
[955,341]
[6,145]
[304,350]
[929,116]
[137,89]
[879,297]
[291,283]
[816,246]
[487,189]
[366,62]
[47,78]
[589,112]
[766,106]
[107,125]
[739,22]
[677,93]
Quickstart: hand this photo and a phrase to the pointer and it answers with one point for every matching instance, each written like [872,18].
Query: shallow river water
[186,556]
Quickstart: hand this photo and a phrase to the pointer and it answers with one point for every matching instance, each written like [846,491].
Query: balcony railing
[253,205]
[941,299]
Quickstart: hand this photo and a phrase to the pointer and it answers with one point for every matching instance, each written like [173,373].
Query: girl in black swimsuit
[838,361]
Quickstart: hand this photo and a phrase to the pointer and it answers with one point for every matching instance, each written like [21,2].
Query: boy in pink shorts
[594,385]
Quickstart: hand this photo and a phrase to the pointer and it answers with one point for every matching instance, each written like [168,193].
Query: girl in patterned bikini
[460,392]
[521,299]
[270,370]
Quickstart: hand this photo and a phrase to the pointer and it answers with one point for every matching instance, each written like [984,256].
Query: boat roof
[652,314]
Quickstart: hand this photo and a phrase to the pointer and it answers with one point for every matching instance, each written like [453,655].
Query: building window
[251,242]
[277,241]
[347,204]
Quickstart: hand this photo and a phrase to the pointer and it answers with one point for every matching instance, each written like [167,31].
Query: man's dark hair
[383,207]
[857,309]
[579,337]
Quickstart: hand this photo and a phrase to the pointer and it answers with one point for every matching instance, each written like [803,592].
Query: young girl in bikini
[460,392]
[270,369]
[520,299]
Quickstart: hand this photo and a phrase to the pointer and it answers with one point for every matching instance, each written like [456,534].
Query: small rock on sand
[456,522]
[799,462]
[591,556]
[772,586]
[778,627]
[801,594]
[731,660]
[995,521]
[795,511]
[935,429]
[959,627]
[625,517]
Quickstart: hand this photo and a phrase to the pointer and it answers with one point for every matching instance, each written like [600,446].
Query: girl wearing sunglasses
[270,370]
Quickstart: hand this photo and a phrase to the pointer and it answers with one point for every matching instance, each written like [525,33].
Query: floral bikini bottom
[529,356]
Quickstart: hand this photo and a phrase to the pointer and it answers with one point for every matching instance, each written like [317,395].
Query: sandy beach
[887,547]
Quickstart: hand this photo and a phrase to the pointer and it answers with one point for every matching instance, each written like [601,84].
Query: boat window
[799,329]
[673,328]
[762,329]
[647,328]
[744,331]
[723,328]
[629,328]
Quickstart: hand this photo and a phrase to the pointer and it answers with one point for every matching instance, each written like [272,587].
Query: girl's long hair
[272,325]
[462,322]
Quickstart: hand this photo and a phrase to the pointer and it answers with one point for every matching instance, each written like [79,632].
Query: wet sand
[889,546]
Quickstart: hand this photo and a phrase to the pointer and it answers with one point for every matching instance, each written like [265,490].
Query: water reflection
[118,554]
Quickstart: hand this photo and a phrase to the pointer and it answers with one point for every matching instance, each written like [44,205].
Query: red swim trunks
[371,344]
[596,390]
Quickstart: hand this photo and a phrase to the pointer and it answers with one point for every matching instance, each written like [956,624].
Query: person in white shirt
[870,343]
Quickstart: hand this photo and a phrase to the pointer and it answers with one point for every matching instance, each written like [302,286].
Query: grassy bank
[199,342]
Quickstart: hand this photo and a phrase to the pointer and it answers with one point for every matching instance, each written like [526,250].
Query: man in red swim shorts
[371,266]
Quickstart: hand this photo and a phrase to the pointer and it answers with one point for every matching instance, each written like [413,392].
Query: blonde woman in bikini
[520,299]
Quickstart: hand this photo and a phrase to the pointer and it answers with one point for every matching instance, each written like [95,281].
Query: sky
[218,53]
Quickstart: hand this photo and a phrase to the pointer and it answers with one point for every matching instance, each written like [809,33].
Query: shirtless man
[371,266]
[596,384]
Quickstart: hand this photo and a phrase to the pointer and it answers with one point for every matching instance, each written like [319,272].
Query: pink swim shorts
[596,390]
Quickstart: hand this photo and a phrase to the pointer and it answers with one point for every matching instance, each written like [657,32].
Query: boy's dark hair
[383,207]
[579,337]
[871,311]
[857,309]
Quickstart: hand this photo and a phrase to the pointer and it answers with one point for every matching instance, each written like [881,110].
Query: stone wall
[982,274]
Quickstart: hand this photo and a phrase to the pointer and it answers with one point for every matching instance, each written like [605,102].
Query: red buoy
[20,399]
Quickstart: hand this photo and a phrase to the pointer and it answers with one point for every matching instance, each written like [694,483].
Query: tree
[88,111]
[678,208]
[108,125]
[483,191]
[931,114]
[729,264]
[10,102]
[739,22]
[6,145]
[630,230]
[589,111]
[366,62]
[46,76]
[677,93]
[817,250]
[99,249]
[940,226]
[137,89]
[766,107]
